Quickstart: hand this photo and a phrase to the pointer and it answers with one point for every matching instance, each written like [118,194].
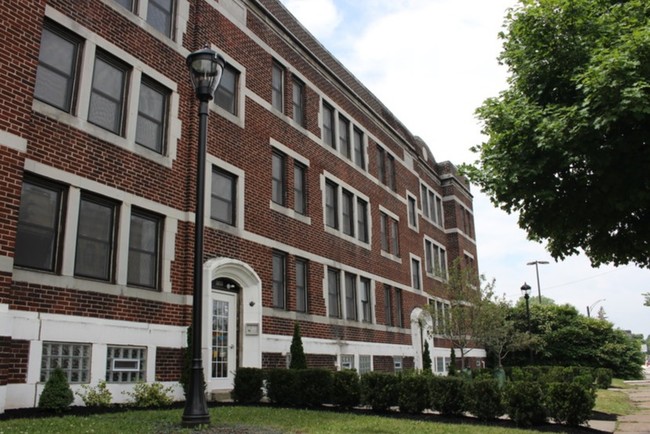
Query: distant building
[323,208]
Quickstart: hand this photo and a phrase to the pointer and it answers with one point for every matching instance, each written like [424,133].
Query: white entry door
[223,342]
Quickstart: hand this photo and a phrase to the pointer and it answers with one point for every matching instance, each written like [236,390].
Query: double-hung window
[160,14]
[277,87]
[394,240]
[331,205]
[334,293]
[328,126]
[108,93]
[412,213]
[144,249]
[39,225]
[299,188]
[347,211]
[344,136]
[298,101]
[388,305]
[126,4]
[351,296]
[359,155]
[96,238]
[152,114]
[301,284]
[279,178]
[364,293]
[362,220]
[279,280]
[383,228]
[223,203]
[226,94]
[415,274]
[57,68]
[399,320]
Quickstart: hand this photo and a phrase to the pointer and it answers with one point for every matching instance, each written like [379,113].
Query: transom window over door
[95,238]
[57,68]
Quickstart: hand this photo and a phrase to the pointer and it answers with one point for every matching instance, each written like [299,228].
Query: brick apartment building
[322,207]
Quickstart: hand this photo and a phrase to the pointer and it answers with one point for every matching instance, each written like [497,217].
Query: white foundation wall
[39,327]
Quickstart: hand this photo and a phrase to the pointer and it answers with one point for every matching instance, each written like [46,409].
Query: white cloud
[320,17]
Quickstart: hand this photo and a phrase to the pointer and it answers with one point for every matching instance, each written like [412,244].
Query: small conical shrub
[452,370]
[426,358]
[57,394]
[298,360]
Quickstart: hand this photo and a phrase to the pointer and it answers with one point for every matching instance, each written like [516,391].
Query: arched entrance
[232,320]
[421,324]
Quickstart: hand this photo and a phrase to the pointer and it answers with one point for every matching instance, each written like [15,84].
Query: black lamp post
[206,68]
[525,288]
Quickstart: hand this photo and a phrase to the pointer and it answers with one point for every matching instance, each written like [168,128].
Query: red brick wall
[14,355]
[169,363]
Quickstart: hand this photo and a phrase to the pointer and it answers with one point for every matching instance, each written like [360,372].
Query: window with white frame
[436,259]
[279,279]
[72,358]
[96,238]
[144,249]
[431,205]
[397,364]
[339,132]
[302,270]
[39,231]
[125,364]
[108,107]
[366,299]
[223,202]
[347,361]
[346,212]
[226,94]
[334,292]
[365,364]
[442,364]
[277,86]
[389,233]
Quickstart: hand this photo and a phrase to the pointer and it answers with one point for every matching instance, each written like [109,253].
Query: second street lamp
[537,264]
[206,68]
[525,289]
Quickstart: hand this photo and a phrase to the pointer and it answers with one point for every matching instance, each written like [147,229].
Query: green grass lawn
[238,419]
[612,401]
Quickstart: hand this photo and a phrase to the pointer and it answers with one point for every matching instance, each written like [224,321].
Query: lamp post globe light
[206,68]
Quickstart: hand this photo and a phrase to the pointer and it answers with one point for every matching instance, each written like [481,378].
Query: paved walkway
[639,422]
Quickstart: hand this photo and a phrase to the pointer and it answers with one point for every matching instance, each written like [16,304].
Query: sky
[432,63]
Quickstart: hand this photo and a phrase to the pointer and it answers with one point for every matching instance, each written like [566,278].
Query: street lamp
[590,308]
[536,264]
[206,68]
[525,289]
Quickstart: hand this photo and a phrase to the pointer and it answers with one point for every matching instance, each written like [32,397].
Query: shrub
[524,402]
[282,386]
[426,358]
[448,395]
[414,393]
[346,389]
[570,403]
[56,394]
[451,369]
[484,398]
[150,395]
[248,386]
[298,360]
[98,396]
[314,386]
[379,390]
[603,377]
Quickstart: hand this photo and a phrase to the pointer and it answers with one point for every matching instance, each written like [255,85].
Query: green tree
[56,394]
[298,360]
[576,111]
[426,358]
[646,295]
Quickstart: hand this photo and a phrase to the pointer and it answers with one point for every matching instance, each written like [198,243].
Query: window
[125,364]
[441,318]
[226,93]
[331,205]
[347,361]
[385,168]
[95,238]
[279,182]
[279,279]
[362,220]
[328,125]
[398,307]
[383,220]
[390,172]
[364,364]
[359,155]
[394,241]
[301,285]
[223,196]
[344,136]
[298,101]
[439,211]
[144,249]
[428,256]
[299,188]
[160,14]
[127,4]
[415,274]
[364,291]
[333,293]
[108,94]
[436,259]
[39,225]
[73,359]
[347,210]
[388,306]
[381,164]
[397,364]
[431,205]
[277,87]
[442,364]
[413,217]
[351,296]
[152,113]
[57,68]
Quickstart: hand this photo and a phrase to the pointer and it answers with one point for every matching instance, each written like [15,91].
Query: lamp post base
[196,408]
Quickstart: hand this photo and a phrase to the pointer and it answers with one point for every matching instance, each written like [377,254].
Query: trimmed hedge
[379,390]
[314,387]
[282,386]
[414,391]
[484,398]
[248,386]
[603,377]
[525,403]
[346,389]
[570,403]
[448,395]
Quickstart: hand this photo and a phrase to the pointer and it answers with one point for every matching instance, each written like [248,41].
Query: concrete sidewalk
[639,422]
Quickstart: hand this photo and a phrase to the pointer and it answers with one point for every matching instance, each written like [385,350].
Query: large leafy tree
[568,144]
